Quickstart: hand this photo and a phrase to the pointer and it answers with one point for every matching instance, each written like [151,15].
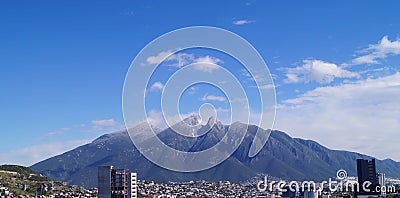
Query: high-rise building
[116,183]
[366,172]
[382,178]
[104,181]
[132,191]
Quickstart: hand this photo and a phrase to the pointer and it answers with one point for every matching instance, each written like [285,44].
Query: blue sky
[63,66]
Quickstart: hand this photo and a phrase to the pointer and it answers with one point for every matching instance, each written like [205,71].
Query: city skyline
[335,67]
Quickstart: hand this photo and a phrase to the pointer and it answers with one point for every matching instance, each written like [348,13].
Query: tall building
[132,191]
[116,183]
[366,172]
[382,180]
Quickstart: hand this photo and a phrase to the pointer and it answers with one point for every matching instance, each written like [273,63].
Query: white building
[133,185]
[382,183]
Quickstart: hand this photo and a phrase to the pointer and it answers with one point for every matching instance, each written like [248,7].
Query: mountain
[282,156]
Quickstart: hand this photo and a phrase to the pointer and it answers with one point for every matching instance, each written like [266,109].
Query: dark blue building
[366,172]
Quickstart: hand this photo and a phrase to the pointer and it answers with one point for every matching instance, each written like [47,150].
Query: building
[382,182]
[366,172]
[132,191]
[382,179]
[116,183]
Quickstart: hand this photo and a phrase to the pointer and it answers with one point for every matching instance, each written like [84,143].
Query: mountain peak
[192,120]
[211,121]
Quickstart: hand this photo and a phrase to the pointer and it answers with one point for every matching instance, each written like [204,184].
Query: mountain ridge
[282,156]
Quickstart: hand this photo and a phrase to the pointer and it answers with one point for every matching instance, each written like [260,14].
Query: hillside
[22,181]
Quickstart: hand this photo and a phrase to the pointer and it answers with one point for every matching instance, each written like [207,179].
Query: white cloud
[29,155]
[109,122]
[153,60]
[103,126]
[175,59]
[378,51]
[366,59]
[317,70]
[363,116]
[209,63]
[242,22]
[156,118]
[213,98]
[157,86]
[182,59]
